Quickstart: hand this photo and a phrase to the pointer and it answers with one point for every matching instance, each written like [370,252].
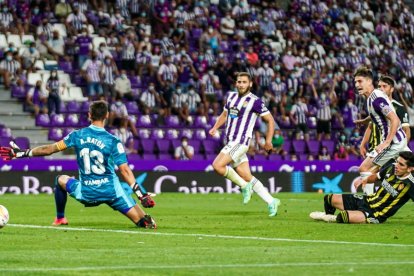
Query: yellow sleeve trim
[61,145]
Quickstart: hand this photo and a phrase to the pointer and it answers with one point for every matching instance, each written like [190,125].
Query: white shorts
[388,153]
[237,153]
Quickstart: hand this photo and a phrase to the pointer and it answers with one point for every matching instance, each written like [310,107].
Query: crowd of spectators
[183,55]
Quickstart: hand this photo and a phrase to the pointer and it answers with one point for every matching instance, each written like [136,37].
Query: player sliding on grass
[397,187]
[240,112]
[98,152]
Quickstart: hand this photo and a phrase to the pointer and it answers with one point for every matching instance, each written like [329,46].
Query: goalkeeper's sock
[234,177]
[261,190]
[61,197]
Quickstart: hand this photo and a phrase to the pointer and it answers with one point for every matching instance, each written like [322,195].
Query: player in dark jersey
[397,187]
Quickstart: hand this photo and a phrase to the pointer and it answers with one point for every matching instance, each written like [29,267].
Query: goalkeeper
[97,154]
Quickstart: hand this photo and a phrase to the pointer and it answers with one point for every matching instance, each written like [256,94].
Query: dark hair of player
[408,156]
[98,110]
[388,80]
[364,72]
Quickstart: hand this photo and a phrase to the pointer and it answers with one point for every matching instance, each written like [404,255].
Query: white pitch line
[149,232]
[199,266]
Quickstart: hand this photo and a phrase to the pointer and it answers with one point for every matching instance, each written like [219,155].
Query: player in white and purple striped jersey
[381,111]
[240,113]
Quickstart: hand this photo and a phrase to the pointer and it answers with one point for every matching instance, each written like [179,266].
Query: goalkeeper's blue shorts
[119,200]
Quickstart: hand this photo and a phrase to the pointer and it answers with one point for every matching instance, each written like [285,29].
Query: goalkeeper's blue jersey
[97,153]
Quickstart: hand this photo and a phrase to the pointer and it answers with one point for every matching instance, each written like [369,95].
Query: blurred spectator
[179,105]
[341,153]
[227,24]
[75,21]
[126,137]
[128,52]
[53,88]
[210,86]
[409,106]
[184,151]
[8,68]
[150,100]
[277,141]
[62,9]
[108,73]
[36,99]
[29,56]
[118,113]
[350,113]
[123,86]
[83,46]
[354,142]
[55,45]
[91,70]
[298,116]
[143,62]
[324,154]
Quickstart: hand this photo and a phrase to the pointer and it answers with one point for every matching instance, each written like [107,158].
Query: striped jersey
[374,139]
[242,112]
[97,153]
[379,106]
[393,193]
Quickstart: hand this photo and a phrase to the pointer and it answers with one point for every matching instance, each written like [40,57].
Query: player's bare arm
[395,122]
[268,119]
[221,120]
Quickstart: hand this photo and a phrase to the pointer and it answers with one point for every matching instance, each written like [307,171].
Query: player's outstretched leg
[327,202]
[272,203]
[61,197]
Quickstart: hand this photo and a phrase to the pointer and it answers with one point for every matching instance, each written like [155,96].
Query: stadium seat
[149,156]
[132,108]
[144,133]
[210,146]
[200,134]
[330,145]
[15,39]
[42,120]
[27,39]
[313,146]
[75,93]
[72,120]
[5,132]
[189,133]
[73,107]
[23,142]
[157,133]
[147,145]
[287,146]
[98,40]
[172,121]
[32,78]
[57,120]
[163,146]
[260,157]
[55,134]
[144,121]
[211,156]
[198,157]
[172,134]
[275,157]
[65,78]
[165,156]
[299,146]
[51,65]
[3,41]
[5,141]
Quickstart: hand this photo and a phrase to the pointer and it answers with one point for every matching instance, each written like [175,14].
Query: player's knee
[61,180]
[342,217]
[218,168]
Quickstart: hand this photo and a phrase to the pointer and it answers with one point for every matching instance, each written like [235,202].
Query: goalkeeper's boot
[60,221]
[147,222]
[317,215]
[273,207]
[247,192]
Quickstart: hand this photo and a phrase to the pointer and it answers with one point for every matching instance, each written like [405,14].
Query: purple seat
[132,108]
[163,145]
[4,141]
[149,156]
[330,145]
[172,134]
[287,146]
[72,120]
[18,92]
[275,157]
[303,157]
[57,120]
[165,156]
[200,134]
[313,146]
[5,132]
[67,130]
[144,133]
[311,122]
[211,156]
[144,121]
[85,107]
[187,133]
[135,82]
[42,120]
[299,146]
[23,142]
[210,146]
[55,134]
[157,133]
[172,121]
[66,66]
[260,157]
[73,107]
[198,156]
[201,121]
[147,145]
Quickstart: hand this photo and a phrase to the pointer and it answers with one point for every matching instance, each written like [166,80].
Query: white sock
[234,177]
[369,187]
[261,190]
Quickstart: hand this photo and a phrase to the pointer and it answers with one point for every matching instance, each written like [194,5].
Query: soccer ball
[4,216]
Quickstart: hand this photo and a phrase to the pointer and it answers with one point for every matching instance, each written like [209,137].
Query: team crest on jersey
[400,187]
[234,113]
[385,109]
[245,104]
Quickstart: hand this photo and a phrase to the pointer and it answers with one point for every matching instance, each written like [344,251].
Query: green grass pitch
[201,235]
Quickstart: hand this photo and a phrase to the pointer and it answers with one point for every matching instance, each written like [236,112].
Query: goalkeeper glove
[13,152]
[146,200]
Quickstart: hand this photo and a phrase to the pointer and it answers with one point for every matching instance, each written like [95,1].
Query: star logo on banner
[329,185]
